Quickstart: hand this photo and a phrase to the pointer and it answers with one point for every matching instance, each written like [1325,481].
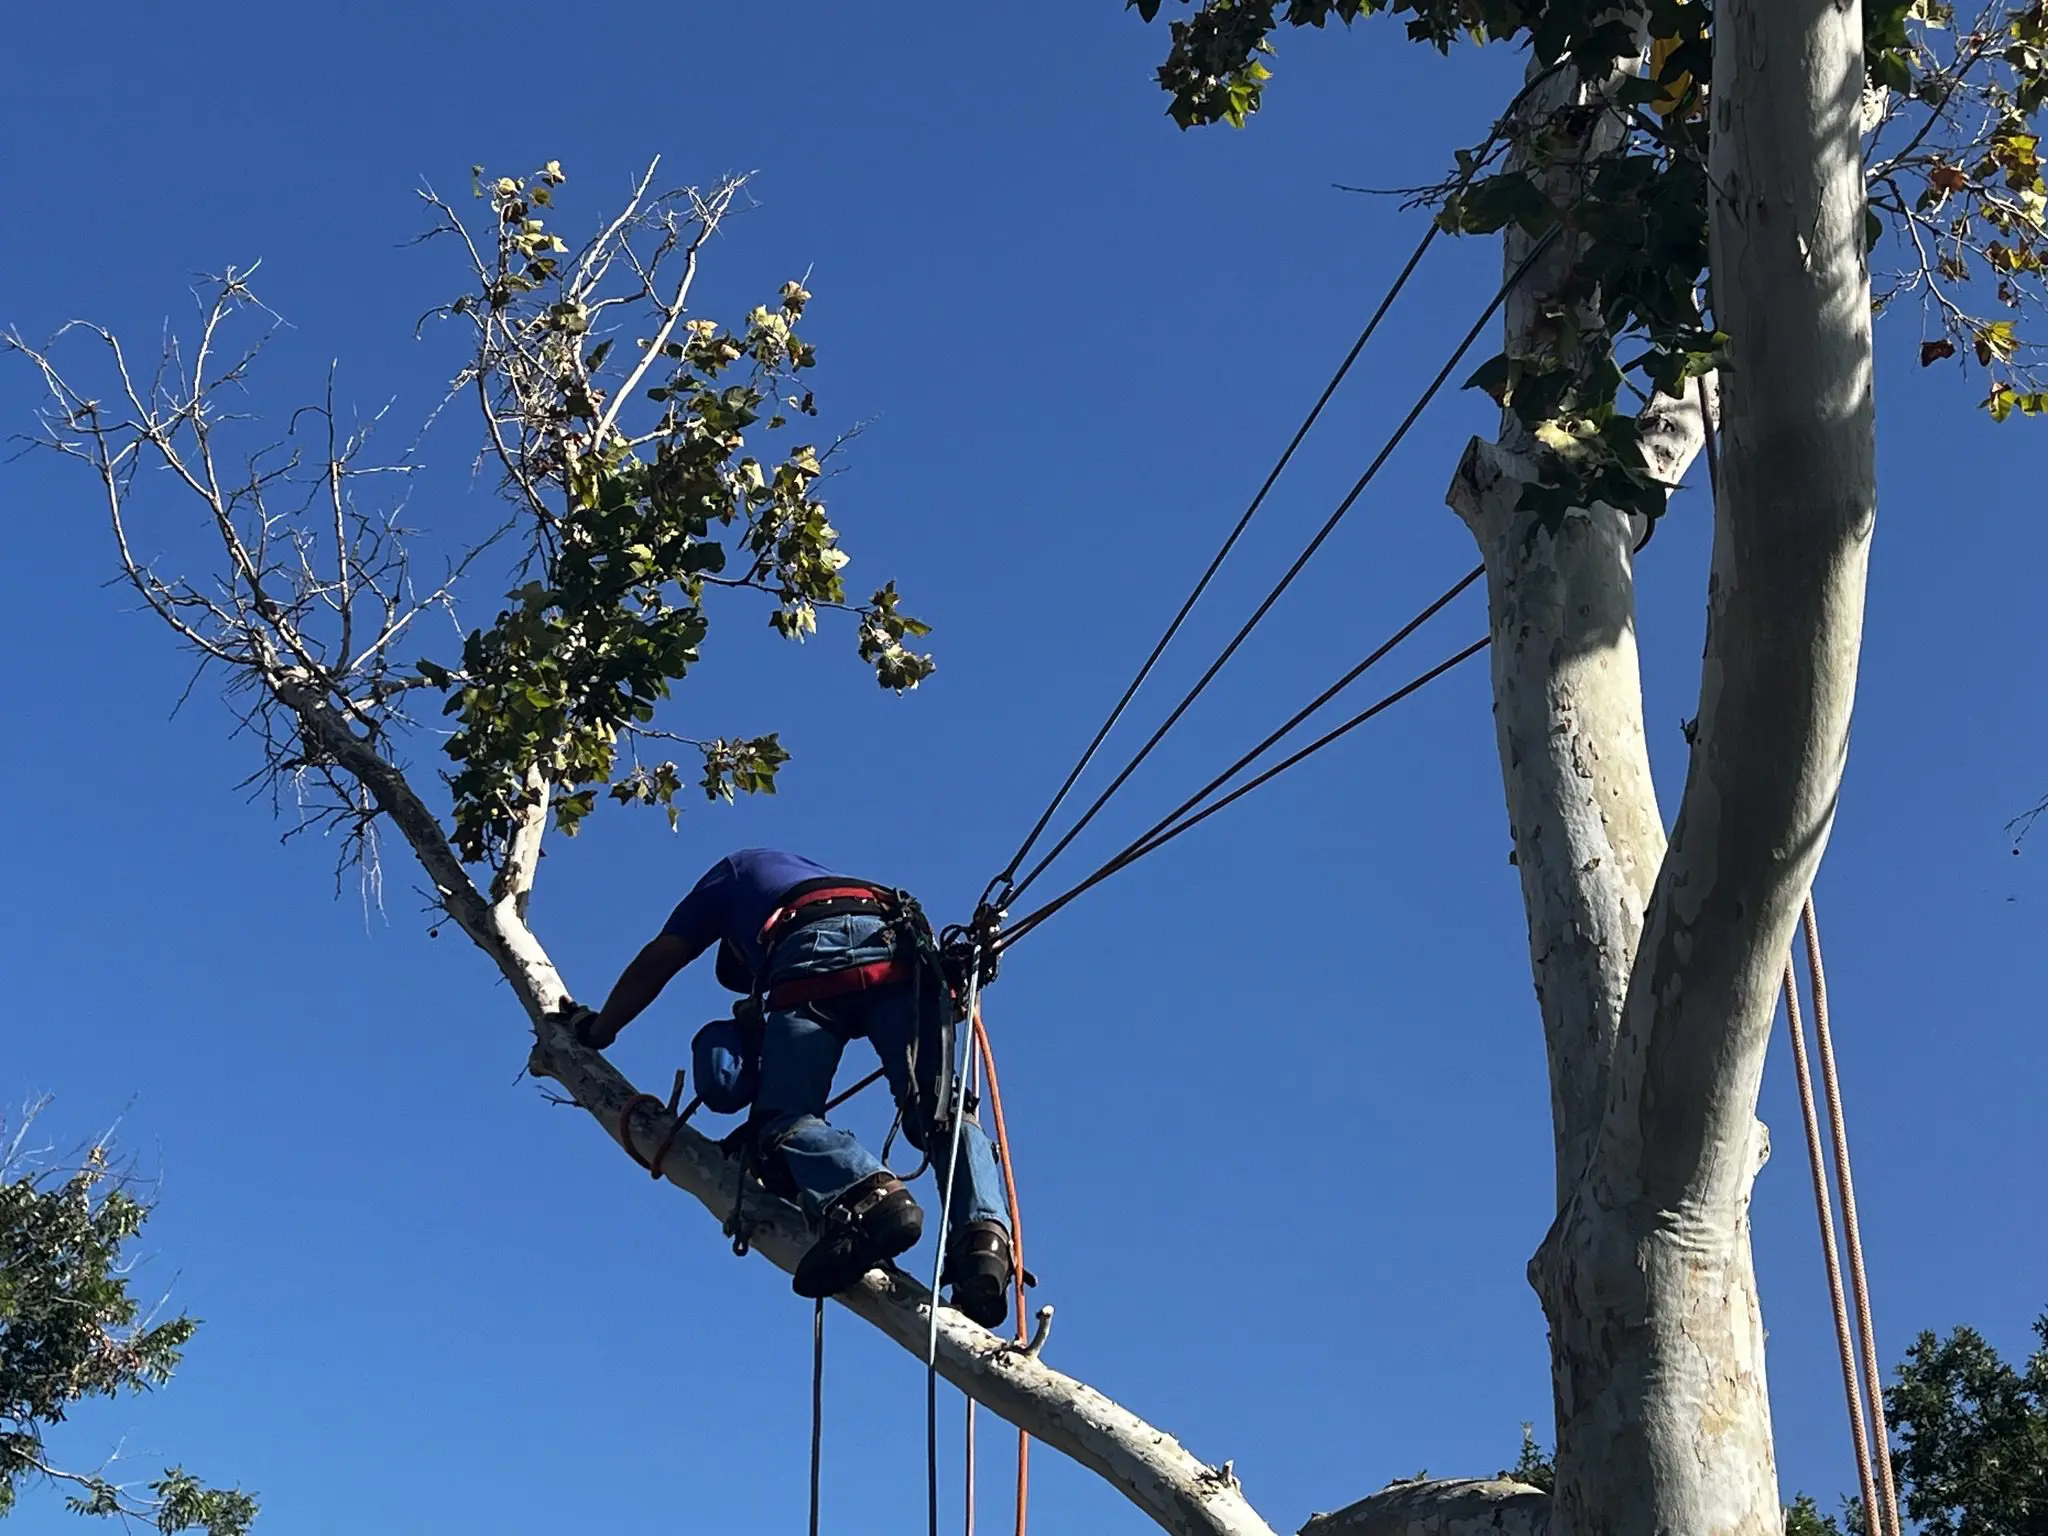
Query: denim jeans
[800,1051]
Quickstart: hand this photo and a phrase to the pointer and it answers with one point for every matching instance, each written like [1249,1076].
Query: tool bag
[725,1060]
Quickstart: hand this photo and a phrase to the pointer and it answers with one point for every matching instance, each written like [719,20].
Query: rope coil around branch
[667,1143]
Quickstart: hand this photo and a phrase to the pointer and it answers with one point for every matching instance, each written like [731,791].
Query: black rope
[1223,553]
[817,1404]
[1301,561]
[1004,882]
[1378,654]
[1137,850]
[865,1083]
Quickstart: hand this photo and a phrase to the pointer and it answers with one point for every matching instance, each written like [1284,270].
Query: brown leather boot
[978,1267]
[872,1222]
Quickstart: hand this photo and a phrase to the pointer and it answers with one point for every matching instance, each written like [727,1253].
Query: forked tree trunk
[1657,999]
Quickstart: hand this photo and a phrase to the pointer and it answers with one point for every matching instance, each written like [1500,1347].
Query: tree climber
[831,959]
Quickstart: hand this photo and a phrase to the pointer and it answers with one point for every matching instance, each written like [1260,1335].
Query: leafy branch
[629,463]
[1617,177]
[71,1330]
[632,440]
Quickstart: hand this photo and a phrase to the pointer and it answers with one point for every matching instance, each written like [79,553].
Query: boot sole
[987,1306]
[819,1274]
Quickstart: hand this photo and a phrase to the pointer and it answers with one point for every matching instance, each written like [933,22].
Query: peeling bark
[1582,810]
[1567,685]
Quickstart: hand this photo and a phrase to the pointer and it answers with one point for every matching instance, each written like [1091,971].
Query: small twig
[1041,1331]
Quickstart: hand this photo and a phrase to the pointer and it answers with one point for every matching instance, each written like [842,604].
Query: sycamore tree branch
[709,212]
[1493,1506]
[1173,1487]
[514,881]
[1582,807]
[325,725]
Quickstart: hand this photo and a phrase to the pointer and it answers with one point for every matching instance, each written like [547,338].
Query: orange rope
[1859,1282]
[995,1098]
[626,1129]
[1817,1161]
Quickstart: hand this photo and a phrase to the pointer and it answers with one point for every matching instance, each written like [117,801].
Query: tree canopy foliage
[632,442]
[1972,1452]
[71,1329]
[624,515]
[1954,165]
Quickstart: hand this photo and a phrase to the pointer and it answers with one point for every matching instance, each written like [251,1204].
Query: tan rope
[1859,1282]
[1816,1159]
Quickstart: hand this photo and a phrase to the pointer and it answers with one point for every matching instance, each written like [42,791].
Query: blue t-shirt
[736,898]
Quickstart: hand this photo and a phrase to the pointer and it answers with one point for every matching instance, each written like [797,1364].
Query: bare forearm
[638,985]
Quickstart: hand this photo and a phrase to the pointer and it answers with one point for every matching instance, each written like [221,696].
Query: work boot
[978,1268]
[873,1221]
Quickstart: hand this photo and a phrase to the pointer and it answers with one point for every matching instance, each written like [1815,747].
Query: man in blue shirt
[832,961]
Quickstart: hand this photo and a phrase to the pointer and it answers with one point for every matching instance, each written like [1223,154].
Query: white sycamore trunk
[1657,968]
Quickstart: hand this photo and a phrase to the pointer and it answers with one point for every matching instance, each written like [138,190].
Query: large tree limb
[1176,1489]
[1491,1506]
[1582,808]
[1582,811]
[1180,1492]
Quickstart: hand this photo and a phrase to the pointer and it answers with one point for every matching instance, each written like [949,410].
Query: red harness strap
[795,904]
[799,990]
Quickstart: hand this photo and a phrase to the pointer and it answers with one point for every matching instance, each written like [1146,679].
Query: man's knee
[774,1132]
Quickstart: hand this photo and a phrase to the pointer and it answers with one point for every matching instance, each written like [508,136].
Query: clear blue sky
[1278,1093]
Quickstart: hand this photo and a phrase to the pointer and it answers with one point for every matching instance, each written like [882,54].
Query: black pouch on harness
[725,1062]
